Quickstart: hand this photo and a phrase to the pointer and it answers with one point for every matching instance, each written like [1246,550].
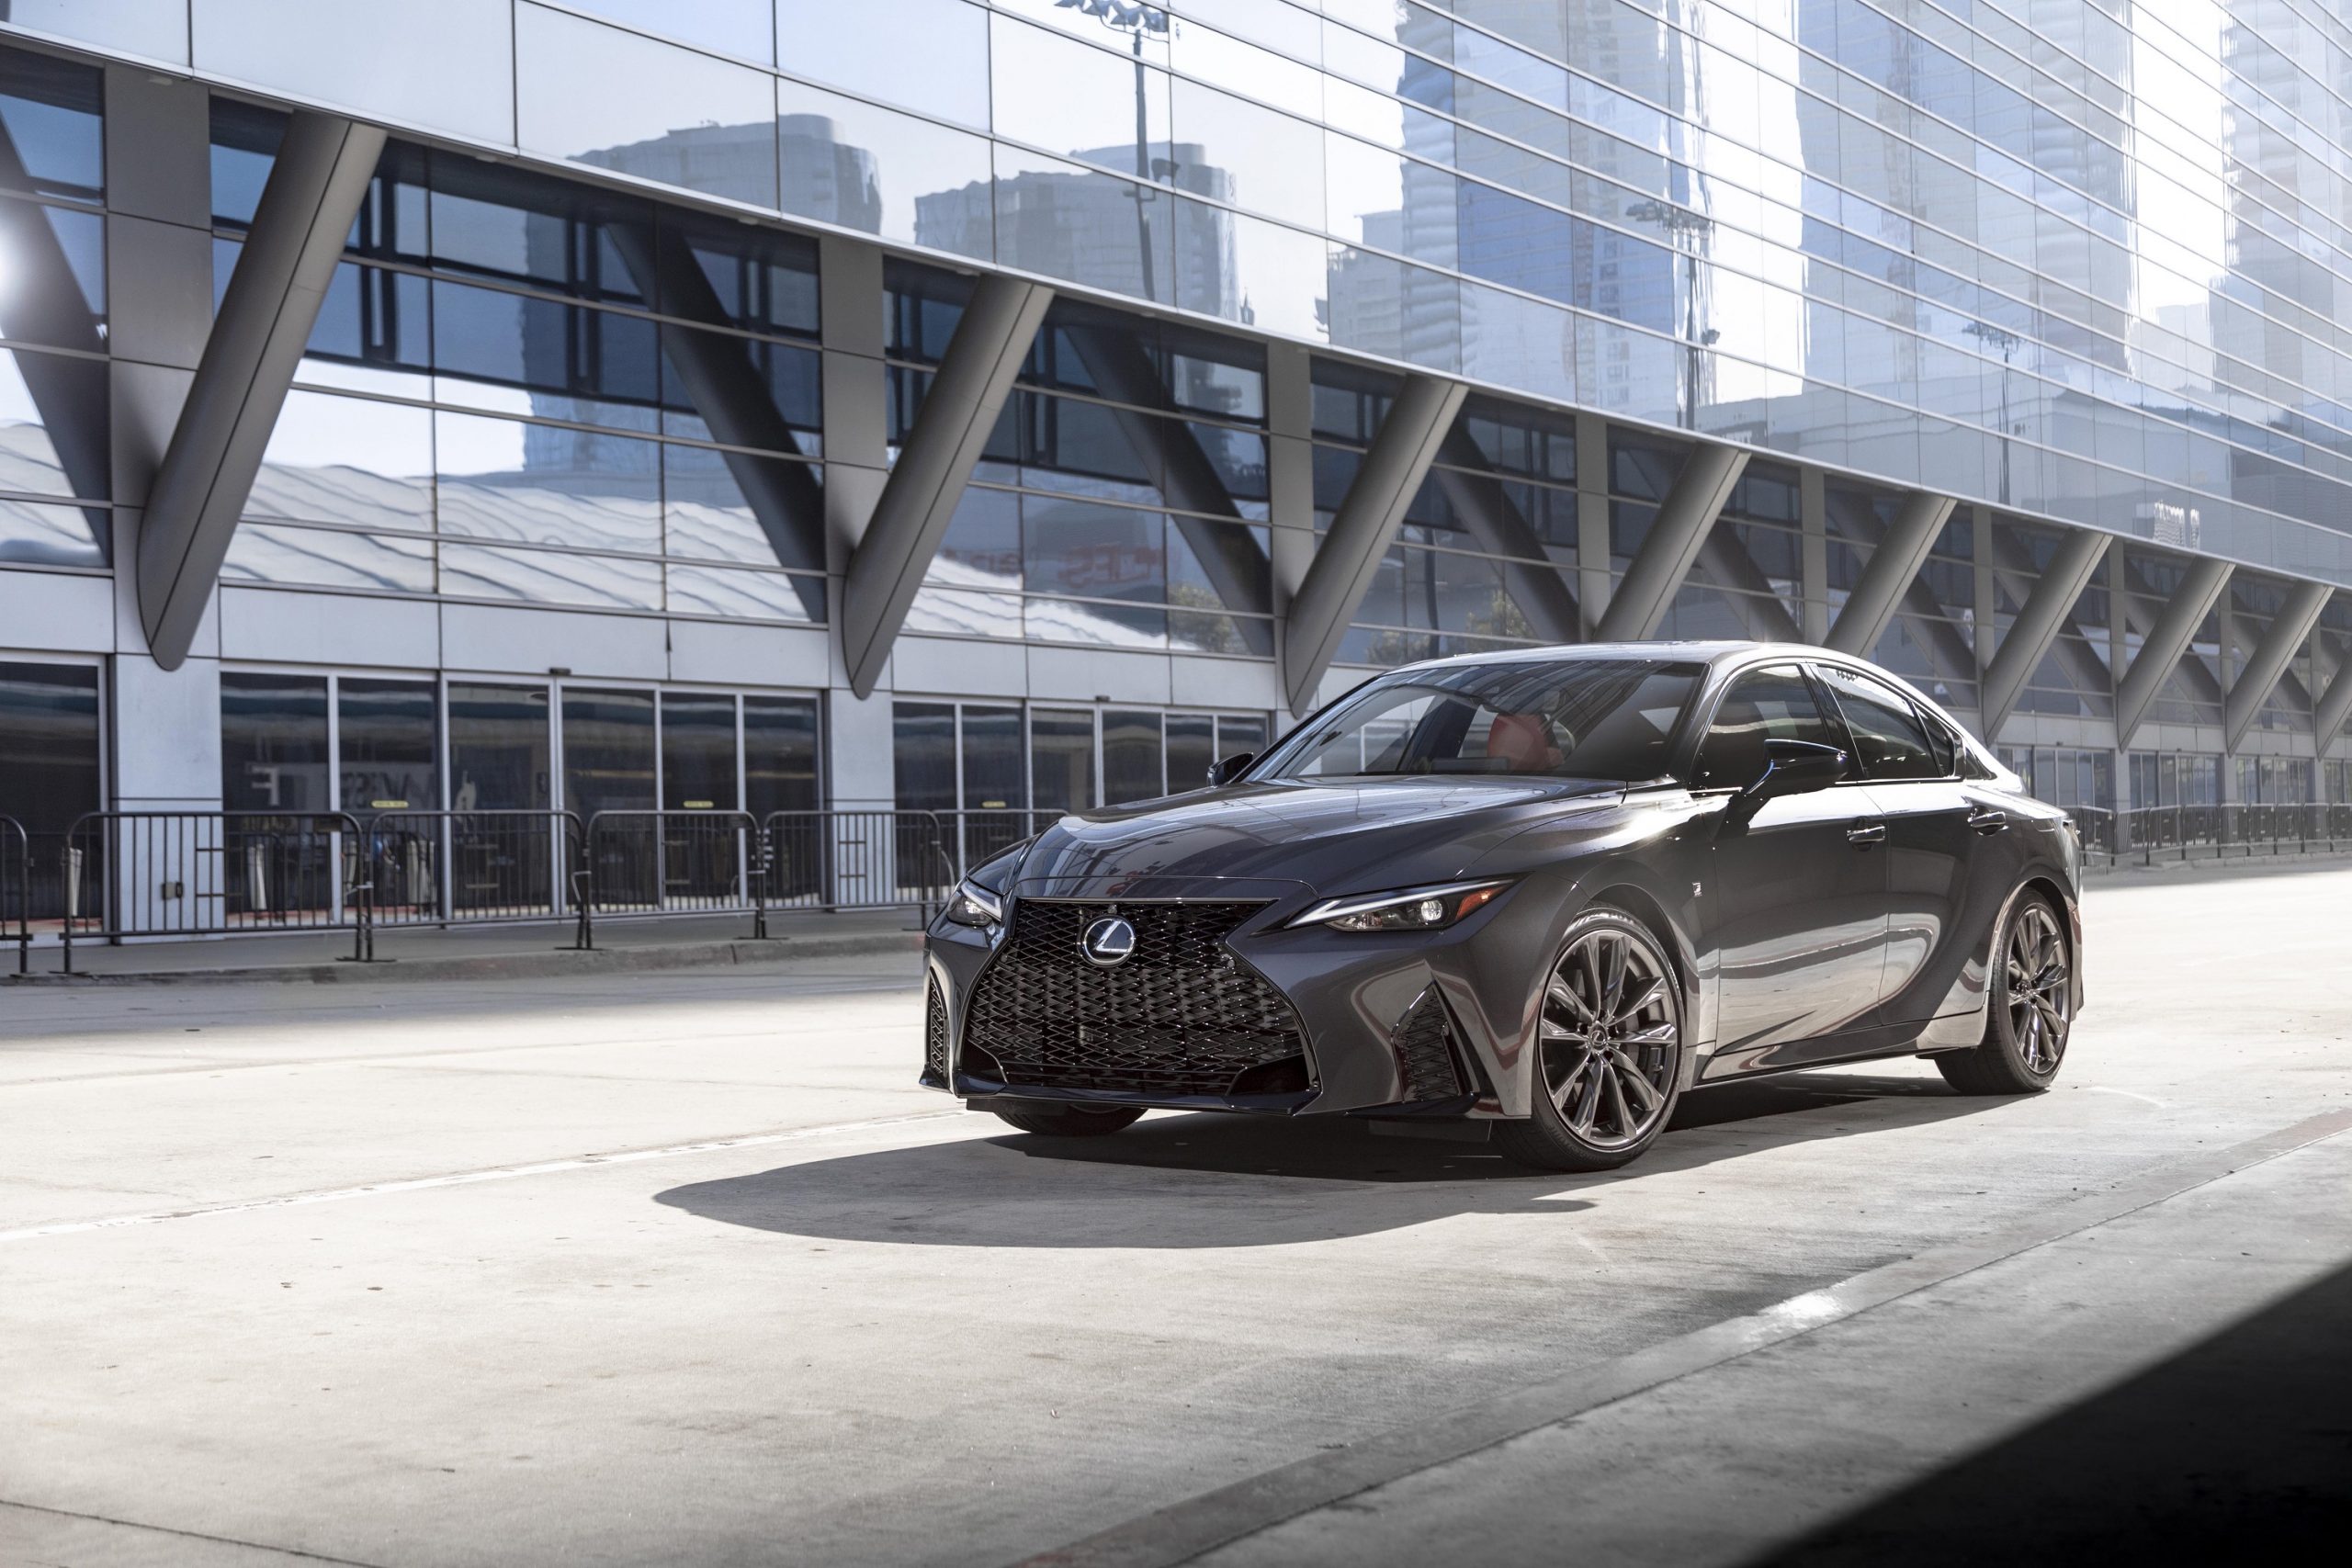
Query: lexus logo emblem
[1108,941]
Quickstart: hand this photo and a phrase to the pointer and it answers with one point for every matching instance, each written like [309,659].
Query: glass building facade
[644,304]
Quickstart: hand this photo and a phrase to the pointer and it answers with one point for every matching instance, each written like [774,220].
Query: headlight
[974,905]
[1408,909]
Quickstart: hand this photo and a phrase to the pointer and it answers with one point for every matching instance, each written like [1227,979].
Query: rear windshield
[1586,718]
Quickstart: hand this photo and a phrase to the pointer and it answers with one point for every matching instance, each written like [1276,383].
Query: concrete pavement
[680,1268]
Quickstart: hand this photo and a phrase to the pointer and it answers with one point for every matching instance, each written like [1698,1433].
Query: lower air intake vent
[1177,1018]
[934,1033]
[1424,1046]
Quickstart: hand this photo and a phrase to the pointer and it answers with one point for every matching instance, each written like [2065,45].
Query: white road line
[467,1179]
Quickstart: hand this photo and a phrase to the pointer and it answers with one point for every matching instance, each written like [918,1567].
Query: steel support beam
[912,516]
[2333,708]
[1488,515]
[2045,611]
[306,210]
[1360,535]
[2164,645]
[1894,565]
[2013,567]
[1690,509]
[2289,631]
[1757,600]
[734,400]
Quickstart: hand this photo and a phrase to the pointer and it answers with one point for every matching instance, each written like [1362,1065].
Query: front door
[1796,901]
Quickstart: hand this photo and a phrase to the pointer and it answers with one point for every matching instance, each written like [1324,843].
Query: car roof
[1716,651]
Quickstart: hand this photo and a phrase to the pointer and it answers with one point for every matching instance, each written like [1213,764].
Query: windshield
[1582,719]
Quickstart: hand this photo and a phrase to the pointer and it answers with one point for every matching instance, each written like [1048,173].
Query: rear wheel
[2029,1008]
[1609,1049]
[1054,1121]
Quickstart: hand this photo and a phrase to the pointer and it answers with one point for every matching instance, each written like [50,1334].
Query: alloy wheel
[1611,1038]
[2038,988]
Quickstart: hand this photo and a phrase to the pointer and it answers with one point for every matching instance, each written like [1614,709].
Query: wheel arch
[1646,908]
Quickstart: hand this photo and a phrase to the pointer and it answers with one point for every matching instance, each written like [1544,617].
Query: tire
[1053,1121]
[1608,1053]
[2029,1007]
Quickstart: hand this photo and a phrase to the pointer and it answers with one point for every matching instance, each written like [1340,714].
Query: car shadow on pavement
[1206,1179]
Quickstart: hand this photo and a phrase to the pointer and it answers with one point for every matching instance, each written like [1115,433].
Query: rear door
[1796,901]
[1933,838]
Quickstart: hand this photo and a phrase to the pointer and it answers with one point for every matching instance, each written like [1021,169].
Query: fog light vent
[935,1034]
[1424,1046]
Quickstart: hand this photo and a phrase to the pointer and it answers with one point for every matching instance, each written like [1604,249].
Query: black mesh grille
[1179,1018]
[934,1032]
[1423,1044]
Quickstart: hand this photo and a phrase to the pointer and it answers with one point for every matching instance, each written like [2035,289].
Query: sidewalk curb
[510,965]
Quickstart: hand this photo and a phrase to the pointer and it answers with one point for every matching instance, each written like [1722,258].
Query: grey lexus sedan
[1537,894]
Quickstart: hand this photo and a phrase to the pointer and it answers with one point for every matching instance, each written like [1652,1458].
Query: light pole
[2007,342]
[1138,22]
[1678,222]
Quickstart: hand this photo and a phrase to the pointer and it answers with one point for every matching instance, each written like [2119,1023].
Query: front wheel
[1054,1121]
[2029,1010]
[1607,1052]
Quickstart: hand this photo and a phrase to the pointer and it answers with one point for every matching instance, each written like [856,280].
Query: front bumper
[1308,1020]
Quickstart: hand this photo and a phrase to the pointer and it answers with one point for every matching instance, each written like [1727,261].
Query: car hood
[1330,836]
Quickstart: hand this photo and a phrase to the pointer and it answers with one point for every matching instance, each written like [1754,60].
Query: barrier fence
[2185,833]
[17,889]
[858,859]
[164,874]
[440,868]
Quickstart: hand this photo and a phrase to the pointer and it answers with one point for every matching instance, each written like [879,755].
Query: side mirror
[1226,769]
[1790,767]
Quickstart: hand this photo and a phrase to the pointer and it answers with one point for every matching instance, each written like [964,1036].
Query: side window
[1775,703]
[1893,741]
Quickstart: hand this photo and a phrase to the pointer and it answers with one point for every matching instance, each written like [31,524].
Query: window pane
[511,354]
[747,595]
[274,742]
[684,120]
[334,459]
[730,27]
[49,754]
[553,233]
[723,272]
[1237,735]
[49,110]
[1774,704]
[1192,747]
[1884,728]
[780,755]
[446,63]
[698,752]
[327,557]
[1061,758]
[741,391]
[550,577]
[543,484]
[885,174]
[937,60]
[387,733]
[54,535]
[707,517]
[923,755]
[1094,551]
[498,748]
[607,750]
[54,259]
[993,762]
[53,425]
[1133,767]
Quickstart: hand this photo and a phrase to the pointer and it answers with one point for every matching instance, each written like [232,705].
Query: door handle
[1989,821]
[1864,834]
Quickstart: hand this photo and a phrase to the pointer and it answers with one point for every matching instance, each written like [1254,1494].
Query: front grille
[1180,1018]
[1424,1046]
[934,1032]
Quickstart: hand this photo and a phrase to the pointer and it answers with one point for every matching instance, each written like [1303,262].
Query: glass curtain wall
[522,389]
[1121,500]
[50,774]
[54,473]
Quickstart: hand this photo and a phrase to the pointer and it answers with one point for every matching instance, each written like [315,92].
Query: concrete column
[315,191]
[917,500]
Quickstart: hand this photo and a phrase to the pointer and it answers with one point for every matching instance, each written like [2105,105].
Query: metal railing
[191,874]
[857,860]
[17,888]
[974,837]
[2186,832]
[445,868]
[641,863]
